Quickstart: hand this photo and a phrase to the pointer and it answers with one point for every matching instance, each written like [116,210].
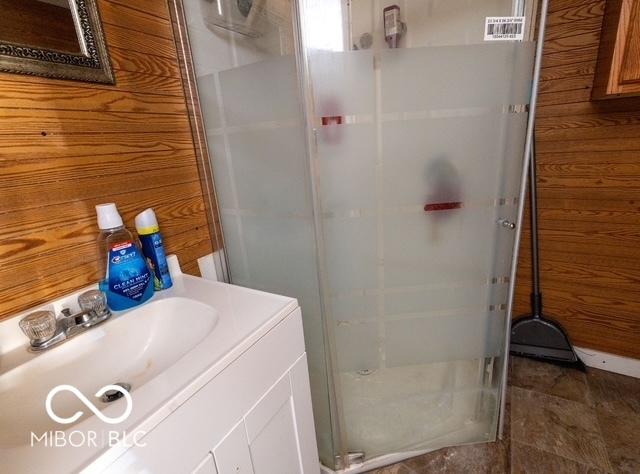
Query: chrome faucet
[44,330]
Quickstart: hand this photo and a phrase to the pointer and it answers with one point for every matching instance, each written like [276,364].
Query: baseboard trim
[610,362]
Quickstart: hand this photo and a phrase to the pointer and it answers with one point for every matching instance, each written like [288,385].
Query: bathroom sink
[165,350]
[132,349]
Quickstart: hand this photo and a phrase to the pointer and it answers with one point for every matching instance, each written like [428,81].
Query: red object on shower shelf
[442,206]
[332,120]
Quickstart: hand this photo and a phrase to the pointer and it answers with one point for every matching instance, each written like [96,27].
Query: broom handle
[536,297]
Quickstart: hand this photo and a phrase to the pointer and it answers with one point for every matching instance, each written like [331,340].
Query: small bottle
[151,240]
[127,280]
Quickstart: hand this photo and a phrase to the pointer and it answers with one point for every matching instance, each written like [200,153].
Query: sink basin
[166,349]
[132,349]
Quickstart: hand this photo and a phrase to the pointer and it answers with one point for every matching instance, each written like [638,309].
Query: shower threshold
[362,466]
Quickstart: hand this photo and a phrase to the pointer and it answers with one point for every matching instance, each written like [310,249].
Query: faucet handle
[94,301]
[39,326]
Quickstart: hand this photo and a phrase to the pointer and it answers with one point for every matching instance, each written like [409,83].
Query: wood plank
[564,70]
[584,47]
[47,247]
[148,84]
[132,40]
[630,104]
[93,183]
[157,8]
[624,235]
[135,19]
[29,152]
[556,241]
[567,84]
[613,132]
[592,145]
[568,20]
[586,274]
[557,5]
[143,63]
[589,303]
[592,211]
[59,96]
[18,223]
[557,54]
[588,298]
[575,21]
[589,170]
[586,193]
[128,81]
[564,97]
[556,128]
[36,121]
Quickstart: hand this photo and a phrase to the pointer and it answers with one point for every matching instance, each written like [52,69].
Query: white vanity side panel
[180,440]
[232,454]
[207,466]
[301,392]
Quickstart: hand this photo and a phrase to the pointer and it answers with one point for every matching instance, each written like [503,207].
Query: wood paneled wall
[66,146]
[589,192]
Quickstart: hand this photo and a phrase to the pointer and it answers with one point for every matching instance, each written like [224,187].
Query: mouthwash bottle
[128,281]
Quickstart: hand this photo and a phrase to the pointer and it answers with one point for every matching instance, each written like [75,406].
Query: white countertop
[244,316]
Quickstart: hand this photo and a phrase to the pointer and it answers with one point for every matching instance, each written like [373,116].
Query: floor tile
[432,462]
[399,468]
[506,428]
[490,458]
[559,426]
[550,379]
[614,393]
[581,424]
[622,436]
[529,460]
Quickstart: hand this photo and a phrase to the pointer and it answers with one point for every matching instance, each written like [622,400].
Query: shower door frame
[340,450]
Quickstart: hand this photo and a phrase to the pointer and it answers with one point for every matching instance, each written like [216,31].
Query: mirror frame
[92,65]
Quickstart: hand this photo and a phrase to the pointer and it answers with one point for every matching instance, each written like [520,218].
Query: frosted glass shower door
[416,163]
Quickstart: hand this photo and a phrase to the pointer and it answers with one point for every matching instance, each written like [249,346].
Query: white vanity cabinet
[254,416]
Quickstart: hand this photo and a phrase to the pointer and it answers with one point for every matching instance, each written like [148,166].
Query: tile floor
[559,421]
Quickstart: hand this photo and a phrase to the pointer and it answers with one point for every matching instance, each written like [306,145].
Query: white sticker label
[504,28]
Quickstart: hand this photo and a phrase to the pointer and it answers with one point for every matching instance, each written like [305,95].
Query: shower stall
[368,160]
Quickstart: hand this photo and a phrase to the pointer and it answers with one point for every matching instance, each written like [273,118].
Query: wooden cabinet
[618,70]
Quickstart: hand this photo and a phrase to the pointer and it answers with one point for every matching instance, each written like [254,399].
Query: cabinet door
[280,427]
[272,432]
[618,69]
[206,466]
[232,454]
